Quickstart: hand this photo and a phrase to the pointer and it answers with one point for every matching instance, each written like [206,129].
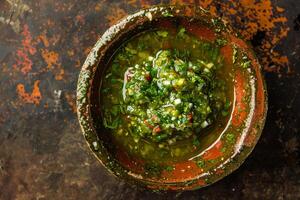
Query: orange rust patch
[87,50]
[80,19]
[71,101]
[23,61]
[51,58]
[27,41]
[35,97]
[115,14]
[22,54]
[43,38]
[214,152]
[279,9]
[99,6]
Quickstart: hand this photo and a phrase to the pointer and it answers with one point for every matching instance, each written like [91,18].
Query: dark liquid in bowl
[139,48]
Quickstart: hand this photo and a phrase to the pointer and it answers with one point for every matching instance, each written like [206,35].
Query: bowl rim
[84,91]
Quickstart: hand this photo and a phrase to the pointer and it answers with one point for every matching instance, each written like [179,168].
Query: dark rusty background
[42,152]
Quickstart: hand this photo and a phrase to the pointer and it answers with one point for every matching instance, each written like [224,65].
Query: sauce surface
[166,94]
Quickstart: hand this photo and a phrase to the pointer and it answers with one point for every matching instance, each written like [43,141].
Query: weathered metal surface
[44,156]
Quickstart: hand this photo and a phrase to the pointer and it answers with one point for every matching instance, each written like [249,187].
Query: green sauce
[164,93]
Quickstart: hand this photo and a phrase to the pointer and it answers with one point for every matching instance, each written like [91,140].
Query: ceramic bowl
[225,154]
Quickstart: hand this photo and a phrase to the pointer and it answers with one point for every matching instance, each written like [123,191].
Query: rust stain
[33,97]
[252,16]
[71,101]
[279,9]
[23,62]
[43,38]
[115,14]
[52,60]
[87,51]
[98,6]
[27,41]
[50,57]
[78,63]
[80,19]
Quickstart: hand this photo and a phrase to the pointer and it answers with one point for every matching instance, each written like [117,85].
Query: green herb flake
[200,164]
[230,138]
[162,33]
[221,42]
[196,142]
[181,32]
[167,13]
[169,168]
[246,64]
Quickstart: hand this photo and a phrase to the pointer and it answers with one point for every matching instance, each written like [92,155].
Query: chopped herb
[169,168]
[221,41]
[245,62]
[200,164]
[230,138]
[181,32]
[196,142]
[167,13]
[157,94]
[162,33]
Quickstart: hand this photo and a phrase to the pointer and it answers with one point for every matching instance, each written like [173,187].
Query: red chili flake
[128,77]
[190,117]
[156,129]
[154,118]
[148,77]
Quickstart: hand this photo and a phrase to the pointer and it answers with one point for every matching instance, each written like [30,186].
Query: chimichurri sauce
[166,95]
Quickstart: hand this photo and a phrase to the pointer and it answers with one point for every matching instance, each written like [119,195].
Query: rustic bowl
[246,120]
